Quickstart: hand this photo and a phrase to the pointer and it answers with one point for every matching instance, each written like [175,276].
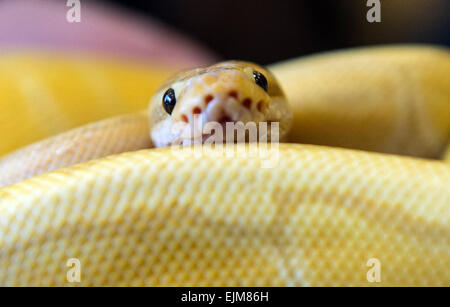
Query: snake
[359,177]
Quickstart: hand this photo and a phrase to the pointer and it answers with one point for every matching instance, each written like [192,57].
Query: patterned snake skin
[318,218]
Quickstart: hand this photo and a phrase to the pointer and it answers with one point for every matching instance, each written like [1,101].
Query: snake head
[199,104]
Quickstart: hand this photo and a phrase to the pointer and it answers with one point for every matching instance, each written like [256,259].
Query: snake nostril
[196,110]
[184,118]
[233,94]
[225,119]
[247,103]
[208,99]
[260,106]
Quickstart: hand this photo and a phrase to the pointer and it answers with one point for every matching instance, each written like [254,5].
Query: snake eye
[260,79]
[169,100]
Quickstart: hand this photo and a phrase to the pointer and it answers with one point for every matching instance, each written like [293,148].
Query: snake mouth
[228,117]
[224,123]
[228,131]
[228,123]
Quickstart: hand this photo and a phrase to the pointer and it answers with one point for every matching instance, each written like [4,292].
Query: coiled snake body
[318,217]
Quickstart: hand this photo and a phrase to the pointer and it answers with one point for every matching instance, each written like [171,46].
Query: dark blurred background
[266,31]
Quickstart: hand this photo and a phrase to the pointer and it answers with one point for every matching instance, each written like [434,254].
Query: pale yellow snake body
[315,217]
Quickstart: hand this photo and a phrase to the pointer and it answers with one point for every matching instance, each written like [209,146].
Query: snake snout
[231,96]
[228,106]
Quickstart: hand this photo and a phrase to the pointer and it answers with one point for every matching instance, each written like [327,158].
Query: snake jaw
[213,122]
[191,124]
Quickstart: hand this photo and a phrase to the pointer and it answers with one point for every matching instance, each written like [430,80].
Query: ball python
[342,195]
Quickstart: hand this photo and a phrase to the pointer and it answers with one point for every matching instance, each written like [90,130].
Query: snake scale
[369,186]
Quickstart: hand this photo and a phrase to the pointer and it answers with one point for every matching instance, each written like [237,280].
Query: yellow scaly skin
[386,99]
[168,217]
[46,94]
[77,145]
